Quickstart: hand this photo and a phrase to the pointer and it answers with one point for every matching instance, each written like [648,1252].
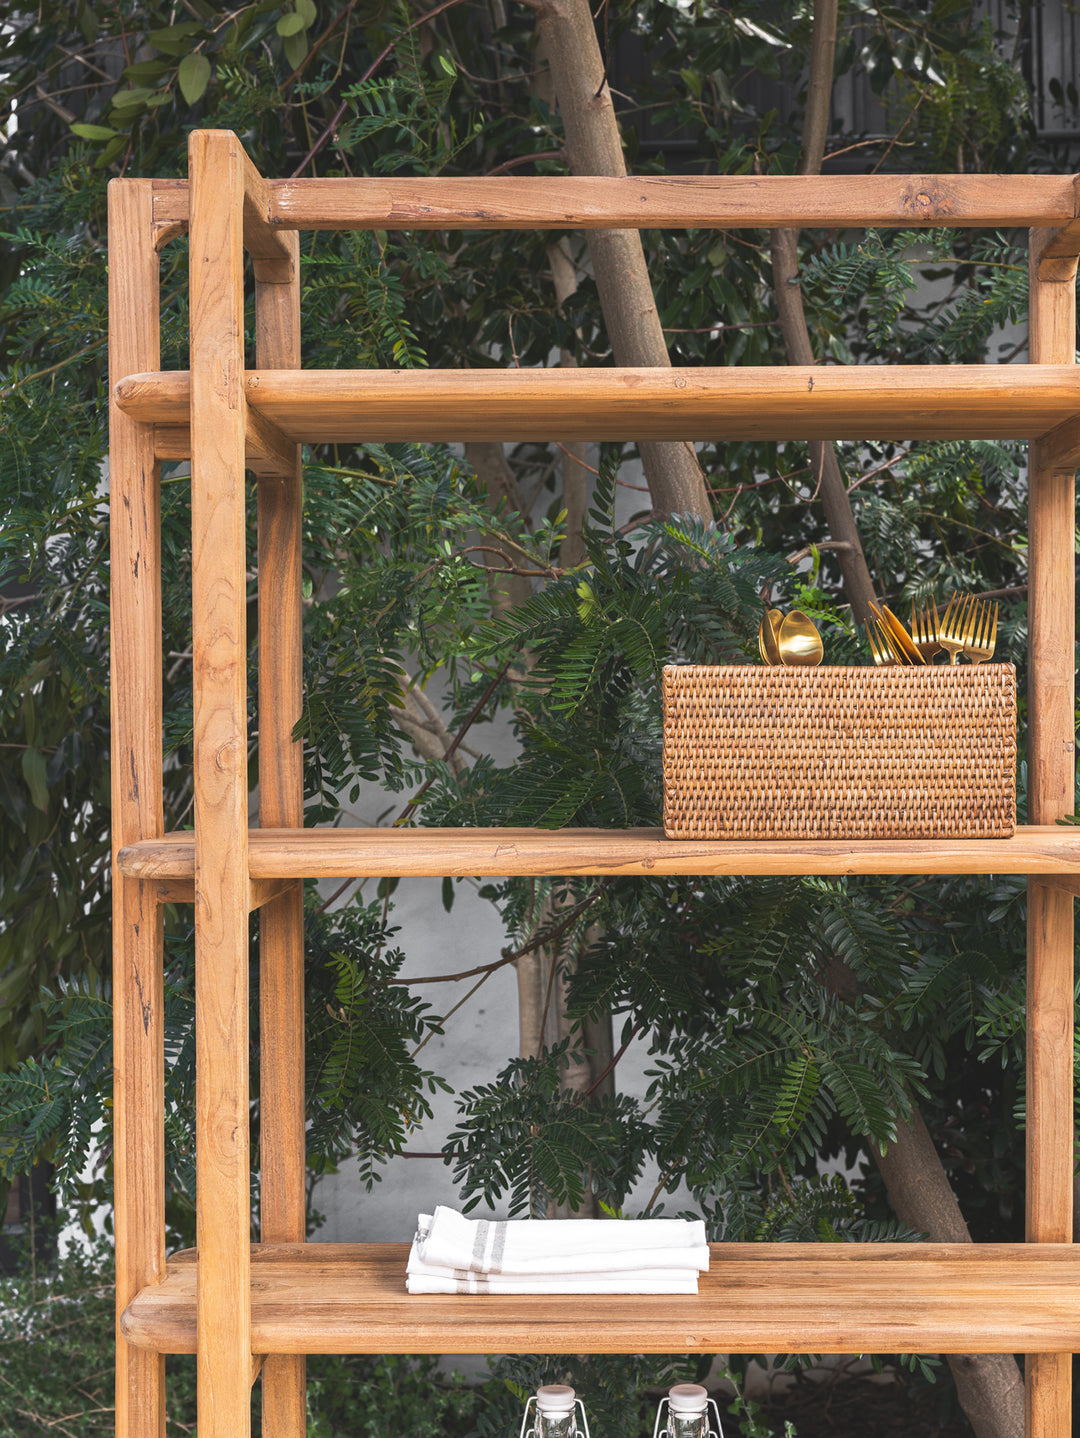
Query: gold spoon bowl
[799,642]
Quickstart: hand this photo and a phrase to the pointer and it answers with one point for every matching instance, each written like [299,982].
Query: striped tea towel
[454,1254]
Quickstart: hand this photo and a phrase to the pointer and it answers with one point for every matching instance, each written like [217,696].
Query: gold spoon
[800,643]
[768,636]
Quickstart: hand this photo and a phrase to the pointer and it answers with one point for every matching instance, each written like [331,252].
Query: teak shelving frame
[246,1308]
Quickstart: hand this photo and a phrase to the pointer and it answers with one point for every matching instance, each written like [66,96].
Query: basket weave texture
[752,752]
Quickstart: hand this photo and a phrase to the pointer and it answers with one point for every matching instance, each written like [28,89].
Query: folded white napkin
[657,1280]
[454,1254]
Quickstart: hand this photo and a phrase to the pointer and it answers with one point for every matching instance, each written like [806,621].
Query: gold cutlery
[980,634]
[953,621]
[799,641]
[924,628]
[894,629]
[879,647]
[768,636]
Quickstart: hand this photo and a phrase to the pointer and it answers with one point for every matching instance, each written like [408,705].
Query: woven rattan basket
[752,752]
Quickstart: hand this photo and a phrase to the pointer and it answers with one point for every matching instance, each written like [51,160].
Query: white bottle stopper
[556,1398]
[688,1398]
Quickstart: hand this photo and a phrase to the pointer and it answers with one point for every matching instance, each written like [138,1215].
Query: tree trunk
[575,473]
[543,1022]
[835,500]
[568,38]
[990,1386]
[493,470]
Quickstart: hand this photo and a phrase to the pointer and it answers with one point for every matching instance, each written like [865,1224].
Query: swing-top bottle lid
[556,1398]
[688,1398]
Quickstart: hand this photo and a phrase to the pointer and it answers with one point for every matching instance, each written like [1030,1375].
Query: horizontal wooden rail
[342,853]
[766,402]
[578,202]
[756,1298]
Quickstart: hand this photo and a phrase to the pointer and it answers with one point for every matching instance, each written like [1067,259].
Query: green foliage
[364,1089]
[56,1338]
[529,1141]
[56,1369]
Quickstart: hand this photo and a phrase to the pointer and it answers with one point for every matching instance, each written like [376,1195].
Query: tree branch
[371,69]
[784,246]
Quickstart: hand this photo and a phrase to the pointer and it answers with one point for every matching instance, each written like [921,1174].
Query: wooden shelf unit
[756,1298]
[257,1310]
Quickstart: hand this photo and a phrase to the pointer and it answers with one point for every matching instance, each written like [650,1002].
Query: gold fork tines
[951,630]
[878,647]
[925,627]
[980,646]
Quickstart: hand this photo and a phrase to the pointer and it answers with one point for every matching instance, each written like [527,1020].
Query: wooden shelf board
[763,403]
[756,1298]
[668,201]
[1050,849]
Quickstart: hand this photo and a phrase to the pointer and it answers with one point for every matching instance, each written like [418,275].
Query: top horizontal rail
[580,202]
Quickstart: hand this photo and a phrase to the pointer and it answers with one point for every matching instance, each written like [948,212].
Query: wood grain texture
[270,250]
[756,1298]
[1058,249]
[282,1152]
[1066,883]
[1059,448]
[182,891]
[340,853]
[1048,1395]
[1051,786]
[1049,1129]
[267,455]
[1051,584]
[762,402]
[219,593]
[135,685]
[671,201]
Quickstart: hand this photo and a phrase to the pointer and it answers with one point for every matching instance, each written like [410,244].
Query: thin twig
[456,978]
[474,714]
[336,894]
[717,329]
[576,460]
[317,46]
[599,1079]
[519,160]
[379,58]
[449,1014]
[549,573]
[822,544]
[509,956]
[61,364]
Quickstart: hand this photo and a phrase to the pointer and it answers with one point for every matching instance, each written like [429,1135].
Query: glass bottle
[555,1411]
[688,1411]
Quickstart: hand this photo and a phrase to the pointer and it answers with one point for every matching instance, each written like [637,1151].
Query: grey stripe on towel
[497,1248]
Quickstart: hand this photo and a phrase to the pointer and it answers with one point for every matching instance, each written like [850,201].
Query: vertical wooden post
[135,664]
[219,633]
[281,805]
[1051,781]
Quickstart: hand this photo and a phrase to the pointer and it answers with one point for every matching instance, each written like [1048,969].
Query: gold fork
[951,630]
[925,626]
[979,643]
[880,646]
